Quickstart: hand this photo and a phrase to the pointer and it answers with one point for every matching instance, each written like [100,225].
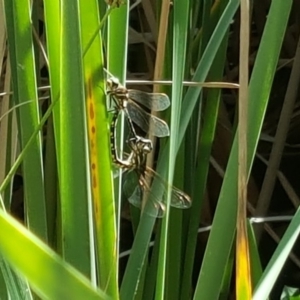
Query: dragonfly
[127,163]
[138,183]
[134,102]
[139,177]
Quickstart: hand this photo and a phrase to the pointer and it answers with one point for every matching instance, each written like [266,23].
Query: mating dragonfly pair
[139,177]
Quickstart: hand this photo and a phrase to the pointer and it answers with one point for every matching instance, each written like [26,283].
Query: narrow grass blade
[52,22]
[57,279]
[117,43]
[52,163]
[74,189]
[256,268]
[18,18]
[16,287]
[243,272]
[223,229]
[99,145]
[145,228]
[117,40]
[210,116]
[165,280]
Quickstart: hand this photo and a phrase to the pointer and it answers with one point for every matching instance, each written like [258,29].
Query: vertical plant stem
[243,277]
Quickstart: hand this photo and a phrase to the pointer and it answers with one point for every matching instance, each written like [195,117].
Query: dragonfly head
[112,83]
[118,92]
[139,144]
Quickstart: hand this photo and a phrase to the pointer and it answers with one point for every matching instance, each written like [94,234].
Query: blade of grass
[117,43]
[256,268]
[8,133]
[223,229]
[57,279]
[18,18]
[6,181]
[74,189]
[3,284]
[148,286]
[19,160]
[143,234]
[15,286]
[276,263]
[161,65]
[227,278]
[161,57]
[99,147]
[210,116]
[274,266]
[4,107]
[283,126]
[243,272]
[24,85]
[209,119]
[167,264]
[52,163]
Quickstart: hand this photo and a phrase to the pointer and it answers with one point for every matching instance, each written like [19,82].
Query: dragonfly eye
[144,148]
[147,146]
[114,82]
[109,85]
[124,103]
[140,144]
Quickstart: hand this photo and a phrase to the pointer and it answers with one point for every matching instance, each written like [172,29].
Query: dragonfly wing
[136,197]
[134,193]
[179,199]
[148,123]
[154,206]
[153,101]
[129,188]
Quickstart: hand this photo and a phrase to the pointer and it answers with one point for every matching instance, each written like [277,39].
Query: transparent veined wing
[148,123]
[153,101]
[134,193]
[136,186]
[179,199]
